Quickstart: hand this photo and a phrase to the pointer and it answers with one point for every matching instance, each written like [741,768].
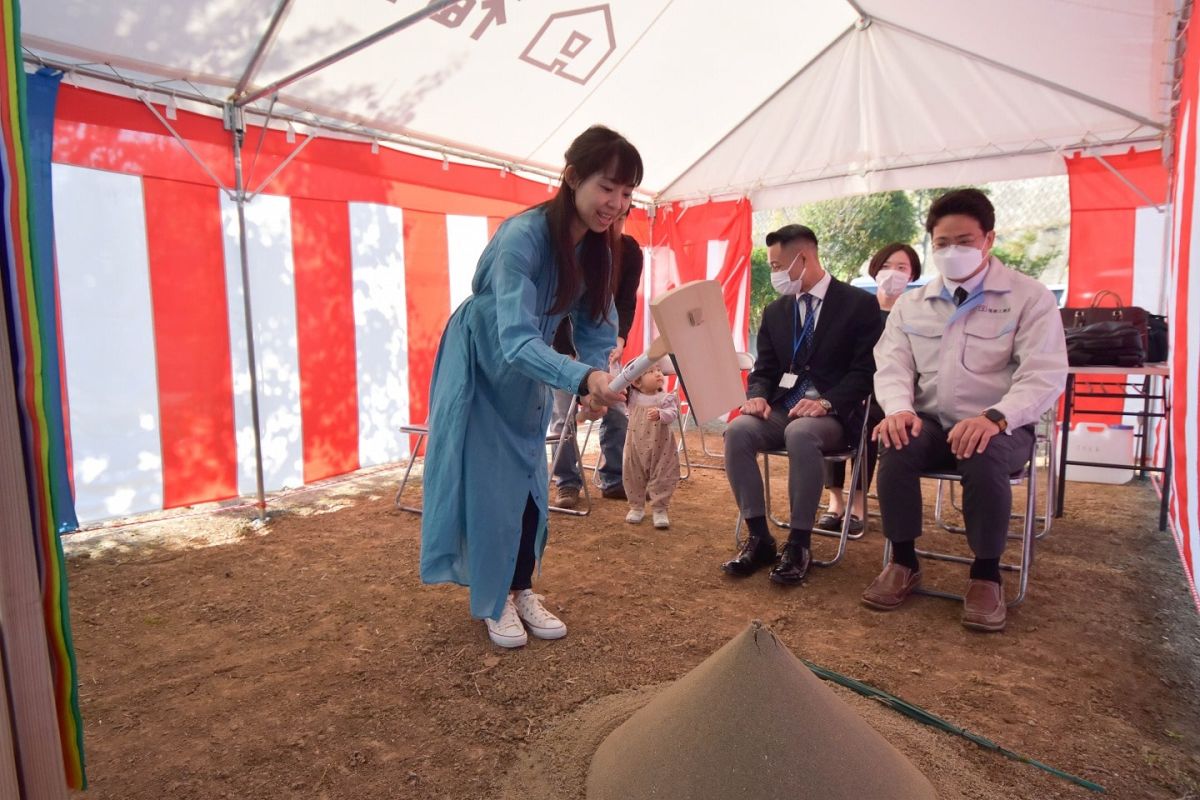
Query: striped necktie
[802,346]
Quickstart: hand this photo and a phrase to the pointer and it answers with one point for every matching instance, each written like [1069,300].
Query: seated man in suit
[967,365]
[806,394]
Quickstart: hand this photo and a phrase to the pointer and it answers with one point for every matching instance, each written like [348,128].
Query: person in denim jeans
[567,478]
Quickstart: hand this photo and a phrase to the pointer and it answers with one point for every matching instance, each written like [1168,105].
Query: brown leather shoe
[566,497]
[983,606]
[892,587]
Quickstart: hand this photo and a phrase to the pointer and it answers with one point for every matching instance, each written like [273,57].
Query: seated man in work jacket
[966,366]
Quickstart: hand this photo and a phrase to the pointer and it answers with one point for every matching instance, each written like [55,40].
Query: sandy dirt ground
[303,658]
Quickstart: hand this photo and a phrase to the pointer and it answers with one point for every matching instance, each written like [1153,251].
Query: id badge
[788,380]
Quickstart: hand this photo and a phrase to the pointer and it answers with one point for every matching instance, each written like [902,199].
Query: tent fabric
[1119,224]
[823,101]
[353,271]
[1184,301]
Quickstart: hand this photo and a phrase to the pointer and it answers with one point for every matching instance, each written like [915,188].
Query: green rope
[925,717]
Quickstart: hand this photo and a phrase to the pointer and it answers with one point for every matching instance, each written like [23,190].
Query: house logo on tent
[573,44]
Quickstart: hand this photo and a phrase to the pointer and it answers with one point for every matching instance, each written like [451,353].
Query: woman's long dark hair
[598,149]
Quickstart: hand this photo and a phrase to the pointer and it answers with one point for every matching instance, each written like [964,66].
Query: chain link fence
[1033,218]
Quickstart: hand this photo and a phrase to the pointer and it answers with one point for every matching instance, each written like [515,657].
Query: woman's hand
[599,395]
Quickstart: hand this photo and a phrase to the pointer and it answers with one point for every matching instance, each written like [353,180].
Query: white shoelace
[531,604]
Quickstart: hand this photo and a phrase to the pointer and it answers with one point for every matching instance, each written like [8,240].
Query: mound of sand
[750,721]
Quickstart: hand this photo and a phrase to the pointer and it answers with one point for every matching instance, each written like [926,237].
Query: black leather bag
[1160,343]
[1081,324]
[1105,344]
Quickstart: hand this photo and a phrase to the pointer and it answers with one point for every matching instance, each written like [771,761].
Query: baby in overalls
[650,467]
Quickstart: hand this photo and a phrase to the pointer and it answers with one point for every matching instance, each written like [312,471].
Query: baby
[650,465]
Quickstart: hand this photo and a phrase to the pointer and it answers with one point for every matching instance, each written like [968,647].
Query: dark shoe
[892,587]
[833,524]
[793,565]
[830,522]
[614,492]
[566,496]
[983,606]
[755,554]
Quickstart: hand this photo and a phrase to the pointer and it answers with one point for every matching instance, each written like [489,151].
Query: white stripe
[273,309]
[717,248]
[465,239]
[1150,230]
[380,331]
[1175,304]
[108,342]
[739,319]
[1191,528]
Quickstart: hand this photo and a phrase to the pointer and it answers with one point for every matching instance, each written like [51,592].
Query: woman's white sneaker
[541,623]
[660,519]
[507,631]
[635,516]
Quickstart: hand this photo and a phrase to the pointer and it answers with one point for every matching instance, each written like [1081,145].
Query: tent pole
[238,129]
[434,7]
[1160,208]
[264,44]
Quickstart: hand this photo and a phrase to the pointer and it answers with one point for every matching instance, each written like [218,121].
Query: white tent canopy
[782,100]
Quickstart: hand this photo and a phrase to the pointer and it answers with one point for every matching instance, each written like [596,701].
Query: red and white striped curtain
[1183,306]
[356,261]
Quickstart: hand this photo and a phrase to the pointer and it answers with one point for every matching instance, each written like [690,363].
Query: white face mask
[891,281]
[784,284]
[957,262]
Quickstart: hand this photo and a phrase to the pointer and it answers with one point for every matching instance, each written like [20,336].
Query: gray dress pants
[806,440]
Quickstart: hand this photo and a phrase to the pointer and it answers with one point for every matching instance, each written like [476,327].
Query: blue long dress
[489,406]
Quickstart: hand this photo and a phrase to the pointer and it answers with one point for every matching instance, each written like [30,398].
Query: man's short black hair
[968,202]
[790,233]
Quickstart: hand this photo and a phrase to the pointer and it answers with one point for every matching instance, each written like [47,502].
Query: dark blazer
[841,364]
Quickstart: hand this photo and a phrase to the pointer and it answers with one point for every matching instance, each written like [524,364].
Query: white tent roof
[783,100]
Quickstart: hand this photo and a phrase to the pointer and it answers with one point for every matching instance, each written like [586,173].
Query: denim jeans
[612,445]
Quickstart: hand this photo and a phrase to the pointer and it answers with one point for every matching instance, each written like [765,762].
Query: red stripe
[191,336]
[427,290]
[325,337]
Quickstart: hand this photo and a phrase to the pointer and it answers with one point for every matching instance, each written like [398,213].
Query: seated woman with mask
[894,267]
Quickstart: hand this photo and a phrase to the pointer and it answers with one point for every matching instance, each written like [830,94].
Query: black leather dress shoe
[757,552]
[794,562]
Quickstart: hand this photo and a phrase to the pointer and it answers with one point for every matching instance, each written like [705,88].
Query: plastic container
[1108,444]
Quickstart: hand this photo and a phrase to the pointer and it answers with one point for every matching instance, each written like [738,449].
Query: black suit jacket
[841,364]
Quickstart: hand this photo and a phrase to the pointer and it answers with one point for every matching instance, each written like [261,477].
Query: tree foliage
[1016,252]
[761,291]
[852,229]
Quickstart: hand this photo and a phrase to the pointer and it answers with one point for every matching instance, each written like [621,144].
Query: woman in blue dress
[485,479]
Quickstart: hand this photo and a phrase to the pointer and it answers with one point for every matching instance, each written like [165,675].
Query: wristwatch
[825,404]
[998,418]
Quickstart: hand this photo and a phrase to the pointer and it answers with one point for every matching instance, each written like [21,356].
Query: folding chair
[858,483]
[1046,442]
[421,431]
[556,441]
[1026,475]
